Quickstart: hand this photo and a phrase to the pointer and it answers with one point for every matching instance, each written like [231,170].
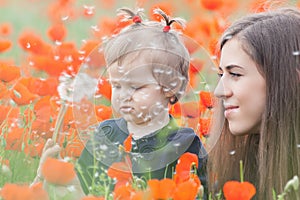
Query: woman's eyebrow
[229,67]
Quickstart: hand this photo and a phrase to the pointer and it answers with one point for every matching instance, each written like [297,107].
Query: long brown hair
[271,158]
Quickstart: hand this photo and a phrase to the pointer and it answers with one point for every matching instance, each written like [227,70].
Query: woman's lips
[229,110]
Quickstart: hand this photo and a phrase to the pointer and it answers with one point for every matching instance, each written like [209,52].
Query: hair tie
[136,19]
[129,14]
[169,21]
[167,28]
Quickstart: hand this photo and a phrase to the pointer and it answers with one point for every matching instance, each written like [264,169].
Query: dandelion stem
[241,171]
[59,121]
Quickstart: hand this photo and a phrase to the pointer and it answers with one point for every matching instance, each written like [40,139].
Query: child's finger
[52,151]
[48,144]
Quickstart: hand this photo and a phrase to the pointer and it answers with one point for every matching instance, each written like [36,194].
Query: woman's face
[242,89]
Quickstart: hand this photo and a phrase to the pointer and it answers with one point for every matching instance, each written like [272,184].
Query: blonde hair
[164,51]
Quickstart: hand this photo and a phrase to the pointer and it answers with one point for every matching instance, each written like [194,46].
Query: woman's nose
[222,90]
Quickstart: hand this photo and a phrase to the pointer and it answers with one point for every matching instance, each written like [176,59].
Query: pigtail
[128,14]
[168,20]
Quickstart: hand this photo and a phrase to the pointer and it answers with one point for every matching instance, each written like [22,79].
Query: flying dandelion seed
[232,152]
[95,28]
[173,84]
[296,53]
[58,43]
[65,18]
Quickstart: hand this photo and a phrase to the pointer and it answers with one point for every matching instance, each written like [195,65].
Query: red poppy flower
[204,125]
[39,192]
[45,113]
[32,42]
[108,26]
[128,143]
[14,138]
[3,90]
[141,195]
[21,192]
[103,112]
[212,4]
[161,189]
[9,113]
[175,110]
[5,29]
[184,167]
[47,64]
[9,72]
[123,192]
[187,190]
[190,109]
[58,172]
[234,190]
[57,32]
[21,95]
[95,57]
[104,88]
[120,171]
[206,98]
[5,45]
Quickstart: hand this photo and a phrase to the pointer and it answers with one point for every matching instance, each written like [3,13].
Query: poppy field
[47,48]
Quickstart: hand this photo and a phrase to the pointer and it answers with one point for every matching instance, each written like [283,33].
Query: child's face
[136,95]
[242,88]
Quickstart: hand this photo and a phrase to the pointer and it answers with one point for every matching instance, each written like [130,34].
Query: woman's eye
[235,74]
[220,74]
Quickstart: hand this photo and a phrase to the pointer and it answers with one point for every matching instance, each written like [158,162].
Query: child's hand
[73,190]
[50,150]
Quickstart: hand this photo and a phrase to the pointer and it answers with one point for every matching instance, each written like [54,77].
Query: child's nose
[126,94]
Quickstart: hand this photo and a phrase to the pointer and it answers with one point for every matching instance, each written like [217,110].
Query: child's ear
[172,86]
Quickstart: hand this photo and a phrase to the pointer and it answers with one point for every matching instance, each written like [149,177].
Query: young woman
[259,95]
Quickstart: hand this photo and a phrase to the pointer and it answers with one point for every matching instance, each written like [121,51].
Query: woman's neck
[155,124]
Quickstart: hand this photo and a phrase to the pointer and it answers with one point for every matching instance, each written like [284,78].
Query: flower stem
[241,171]
[59,121]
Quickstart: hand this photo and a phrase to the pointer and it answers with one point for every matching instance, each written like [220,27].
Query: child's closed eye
[116,86]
